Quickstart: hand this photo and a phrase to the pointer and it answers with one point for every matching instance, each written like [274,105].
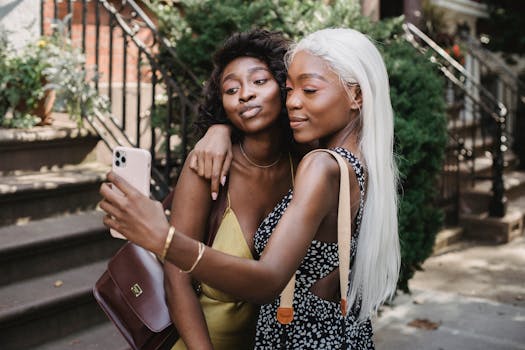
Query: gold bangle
[167,244]
[199,257]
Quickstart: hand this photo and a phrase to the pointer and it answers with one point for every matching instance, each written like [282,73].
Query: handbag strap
[344,230]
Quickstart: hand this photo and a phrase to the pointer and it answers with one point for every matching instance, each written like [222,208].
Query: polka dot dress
[318,323]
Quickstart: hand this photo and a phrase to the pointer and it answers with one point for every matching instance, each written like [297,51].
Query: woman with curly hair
[246,91]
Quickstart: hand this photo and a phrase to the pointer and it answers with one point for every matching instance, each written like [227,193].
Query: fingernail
[214,195]
[223,180]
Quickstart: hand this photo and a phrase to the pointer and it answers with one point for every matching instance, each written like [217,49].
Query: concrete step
[474,222]
[101,337]
[50,245]
[43,309]
[518,204]
[448,239]
[482,227]
[28,196]
[476,199]
[45,147]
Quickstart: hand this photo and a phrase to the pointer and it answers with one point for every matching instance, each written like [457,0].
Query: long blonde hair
[354,58]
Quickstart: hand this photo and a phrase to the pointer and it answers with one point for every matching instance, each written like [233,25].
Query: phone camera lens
[117,163]
[117,154]
[123,159]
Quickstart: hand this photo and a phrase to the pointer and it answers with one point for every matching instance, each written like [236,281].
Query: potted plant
[31,78]
[22,86]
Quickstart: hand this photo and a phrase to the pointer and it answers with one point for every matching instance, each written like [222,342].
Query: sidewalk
[470,299]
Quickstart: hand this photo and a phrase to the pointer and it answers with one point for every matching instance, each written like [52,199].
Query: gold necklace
[255,164]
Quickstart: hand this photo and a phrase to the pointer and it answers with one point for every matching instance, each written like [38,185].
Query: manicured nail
[214,195]
[223,180]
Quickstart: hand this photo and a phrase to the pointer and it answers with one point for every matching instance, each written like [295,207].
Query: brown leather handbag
[131,290]
[131,293]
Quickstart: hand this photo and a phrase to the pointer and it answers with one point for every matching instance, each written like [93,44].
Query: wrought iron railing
[499,79]
[476,126]
[150,106]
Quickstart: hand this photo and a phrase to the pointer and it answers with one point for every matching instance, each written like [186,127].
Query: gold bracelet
[199,257]
[167,244]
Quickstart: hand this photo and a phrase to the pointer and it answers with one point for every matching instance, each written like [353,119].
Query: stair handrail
[477,50]
[411,30]
[132,34]
[161,39]
[185,92]
[497,205]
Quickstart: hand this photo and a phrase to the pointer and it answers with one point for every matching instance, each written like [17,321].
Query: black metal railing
[150,107]
[476,126]
[499,79]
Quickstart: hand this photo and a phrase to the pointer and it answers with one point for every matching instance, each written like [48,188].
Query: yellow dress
[231,322]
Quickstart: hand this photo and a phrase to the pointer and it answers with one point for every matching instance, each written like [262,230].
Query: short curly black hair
[267,46]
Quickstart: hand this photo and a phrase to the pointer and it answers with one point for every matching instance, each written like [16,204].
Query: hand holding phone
[134,166]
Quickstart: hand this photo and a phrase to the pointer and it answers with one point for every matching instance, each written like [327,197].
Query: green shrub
[416,91]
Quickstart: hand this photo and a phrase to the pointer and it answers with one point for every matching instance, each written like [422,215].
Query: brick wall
[104,54]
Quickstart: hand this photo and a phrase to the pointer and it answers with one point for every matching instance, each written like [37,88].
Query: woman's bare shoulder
[317,178]
[318,163]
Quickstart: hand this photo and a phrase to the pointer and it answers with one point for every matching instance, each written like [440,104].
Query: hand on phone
[134,165]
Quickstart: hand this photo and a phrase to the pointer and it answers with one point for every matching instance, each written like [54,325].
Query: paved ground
[472,298]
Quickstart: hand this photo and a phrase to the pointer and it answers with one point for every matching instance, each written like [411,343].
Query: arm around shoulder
[262,280]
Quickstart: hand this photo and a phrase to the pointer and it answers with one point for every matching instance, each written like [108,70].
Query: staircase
[53,245]
[482,189]
[506,87]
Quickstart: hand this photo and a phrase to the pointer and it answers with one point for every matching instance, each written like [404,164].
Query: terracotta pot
[45,107]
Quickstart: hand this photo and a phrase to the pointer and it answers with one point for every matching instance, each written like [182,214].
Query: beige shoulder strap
[344,230]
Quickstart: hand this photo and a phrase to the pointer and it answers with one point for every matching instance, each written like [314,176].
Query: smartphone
[134,165]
